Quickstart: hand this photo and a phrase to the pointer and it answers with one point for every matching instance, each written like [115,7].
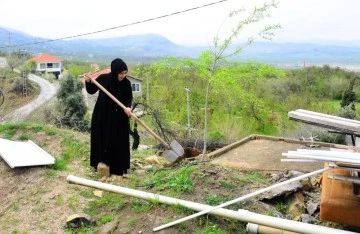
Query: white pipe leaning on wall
[237,215]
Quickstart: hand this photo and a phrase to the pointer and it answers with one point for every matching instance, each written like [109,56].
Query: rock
[98,193]
[296,204]
[143,147]
[153,159]
[275,177]
[295,174]
[78,220]
[305,218]
[307,186]
[315,181]
[108,228]
[103,170]
[311,207]
[148,168]
[140,172]
[284,190]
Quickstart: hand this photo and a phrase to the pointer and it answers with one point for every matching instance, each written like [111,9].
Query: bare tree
[15,59]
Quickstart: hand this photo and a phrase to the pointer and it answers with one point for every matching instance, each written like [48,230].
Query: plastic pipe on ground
[255,193]
[237,215]
[252,228]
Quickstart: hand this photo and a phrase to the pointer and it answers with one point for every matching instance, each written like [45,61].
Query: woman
[110,123]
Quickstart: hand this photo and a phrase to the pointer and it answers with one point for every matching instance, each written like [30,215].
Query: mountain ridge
[147,47]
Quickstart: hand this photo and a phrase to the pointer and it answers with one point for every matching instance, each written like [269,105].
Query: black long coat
[110,125]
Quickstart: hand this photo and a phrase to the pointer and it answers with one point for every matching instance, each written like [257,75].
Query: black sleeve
[92,88]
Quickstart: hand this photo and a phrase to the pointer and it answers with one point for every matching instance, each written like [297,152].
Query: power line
[121,26]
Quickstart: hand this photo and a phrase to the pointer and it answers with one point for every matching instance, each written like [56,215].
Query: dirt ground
[39,199]
[32,201]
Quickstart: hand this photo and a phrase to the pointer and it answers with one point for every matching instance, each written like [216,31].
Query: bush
[71,104]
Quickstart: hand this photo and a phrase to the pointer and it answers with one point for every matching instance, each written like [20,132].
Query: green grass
[213,200]
[37,128]
[226,184]
[282,207]
[24,137]
[80,230]
[104,219]
[182,209]
[253,177]
[178,181]
[109,202]
[138,205]
[132,222]
[210,229]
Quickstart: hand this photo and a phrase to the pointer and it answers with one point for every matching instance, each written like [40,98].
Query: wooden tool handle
[131,114]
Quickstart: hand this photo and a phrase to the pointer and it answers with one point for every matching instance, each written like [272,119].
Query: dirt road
[48,90]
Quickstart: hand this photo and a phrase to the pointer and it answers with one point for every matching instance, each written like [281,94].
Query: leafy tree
[30,66]
[211,65]
[348,97]
[71,104]
[233,84]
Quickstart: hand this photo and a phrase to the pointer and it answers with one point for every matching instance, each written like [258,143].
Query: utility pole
[25,84]
[147,90]
[187,89]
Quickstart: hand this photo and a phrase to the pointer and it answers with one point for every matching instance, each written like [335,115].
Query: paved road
[48,90]
[3,62]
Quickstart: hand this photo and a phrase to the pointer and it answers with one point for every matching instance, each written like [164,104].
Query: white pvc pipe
[241,215]
[252,228]
[321,158]
[255,193]
[296,160]
[337,154]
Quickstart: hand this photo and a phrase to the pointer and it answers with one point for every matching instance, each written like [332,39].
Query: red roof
[45,58]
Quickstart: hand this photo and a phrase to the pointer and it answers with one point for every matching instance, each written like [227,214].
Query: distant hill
[147,46]
[152,46]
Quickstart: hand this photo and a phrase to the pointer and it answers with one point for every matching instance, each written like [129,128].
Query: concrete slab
[24,154]
[264,153]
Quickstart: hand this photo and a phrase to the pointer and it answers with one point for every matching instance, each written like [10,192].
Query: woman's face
[122,75]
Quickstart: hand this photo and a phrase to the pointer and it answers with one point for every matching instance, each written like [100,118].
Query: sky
[301,20]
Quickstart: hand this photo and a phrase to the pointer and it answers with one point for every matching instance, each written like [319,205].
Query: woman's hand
[127,111]
[87,78]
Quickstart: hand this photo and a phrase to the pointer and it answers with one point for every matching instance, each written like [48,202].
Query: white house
[46,63]
[135,85]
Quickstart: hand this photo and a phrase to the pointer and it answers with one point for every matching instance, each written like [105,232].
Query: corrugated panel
[24,154]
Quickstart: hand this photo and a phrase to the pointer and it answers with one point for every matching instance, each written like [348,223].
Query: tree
[16,59]
[71,103]
[348,97]
[211,63]
[232,83]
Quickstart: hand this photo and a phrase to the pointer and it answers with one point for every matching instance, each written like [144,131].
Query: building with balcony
[45,63]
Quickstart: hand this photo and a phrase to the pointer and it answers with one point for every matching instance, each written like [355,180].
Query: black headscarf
[117,66]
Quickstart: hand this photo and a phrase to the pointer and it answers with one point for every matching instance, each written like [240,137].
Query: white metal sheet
[24,154]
